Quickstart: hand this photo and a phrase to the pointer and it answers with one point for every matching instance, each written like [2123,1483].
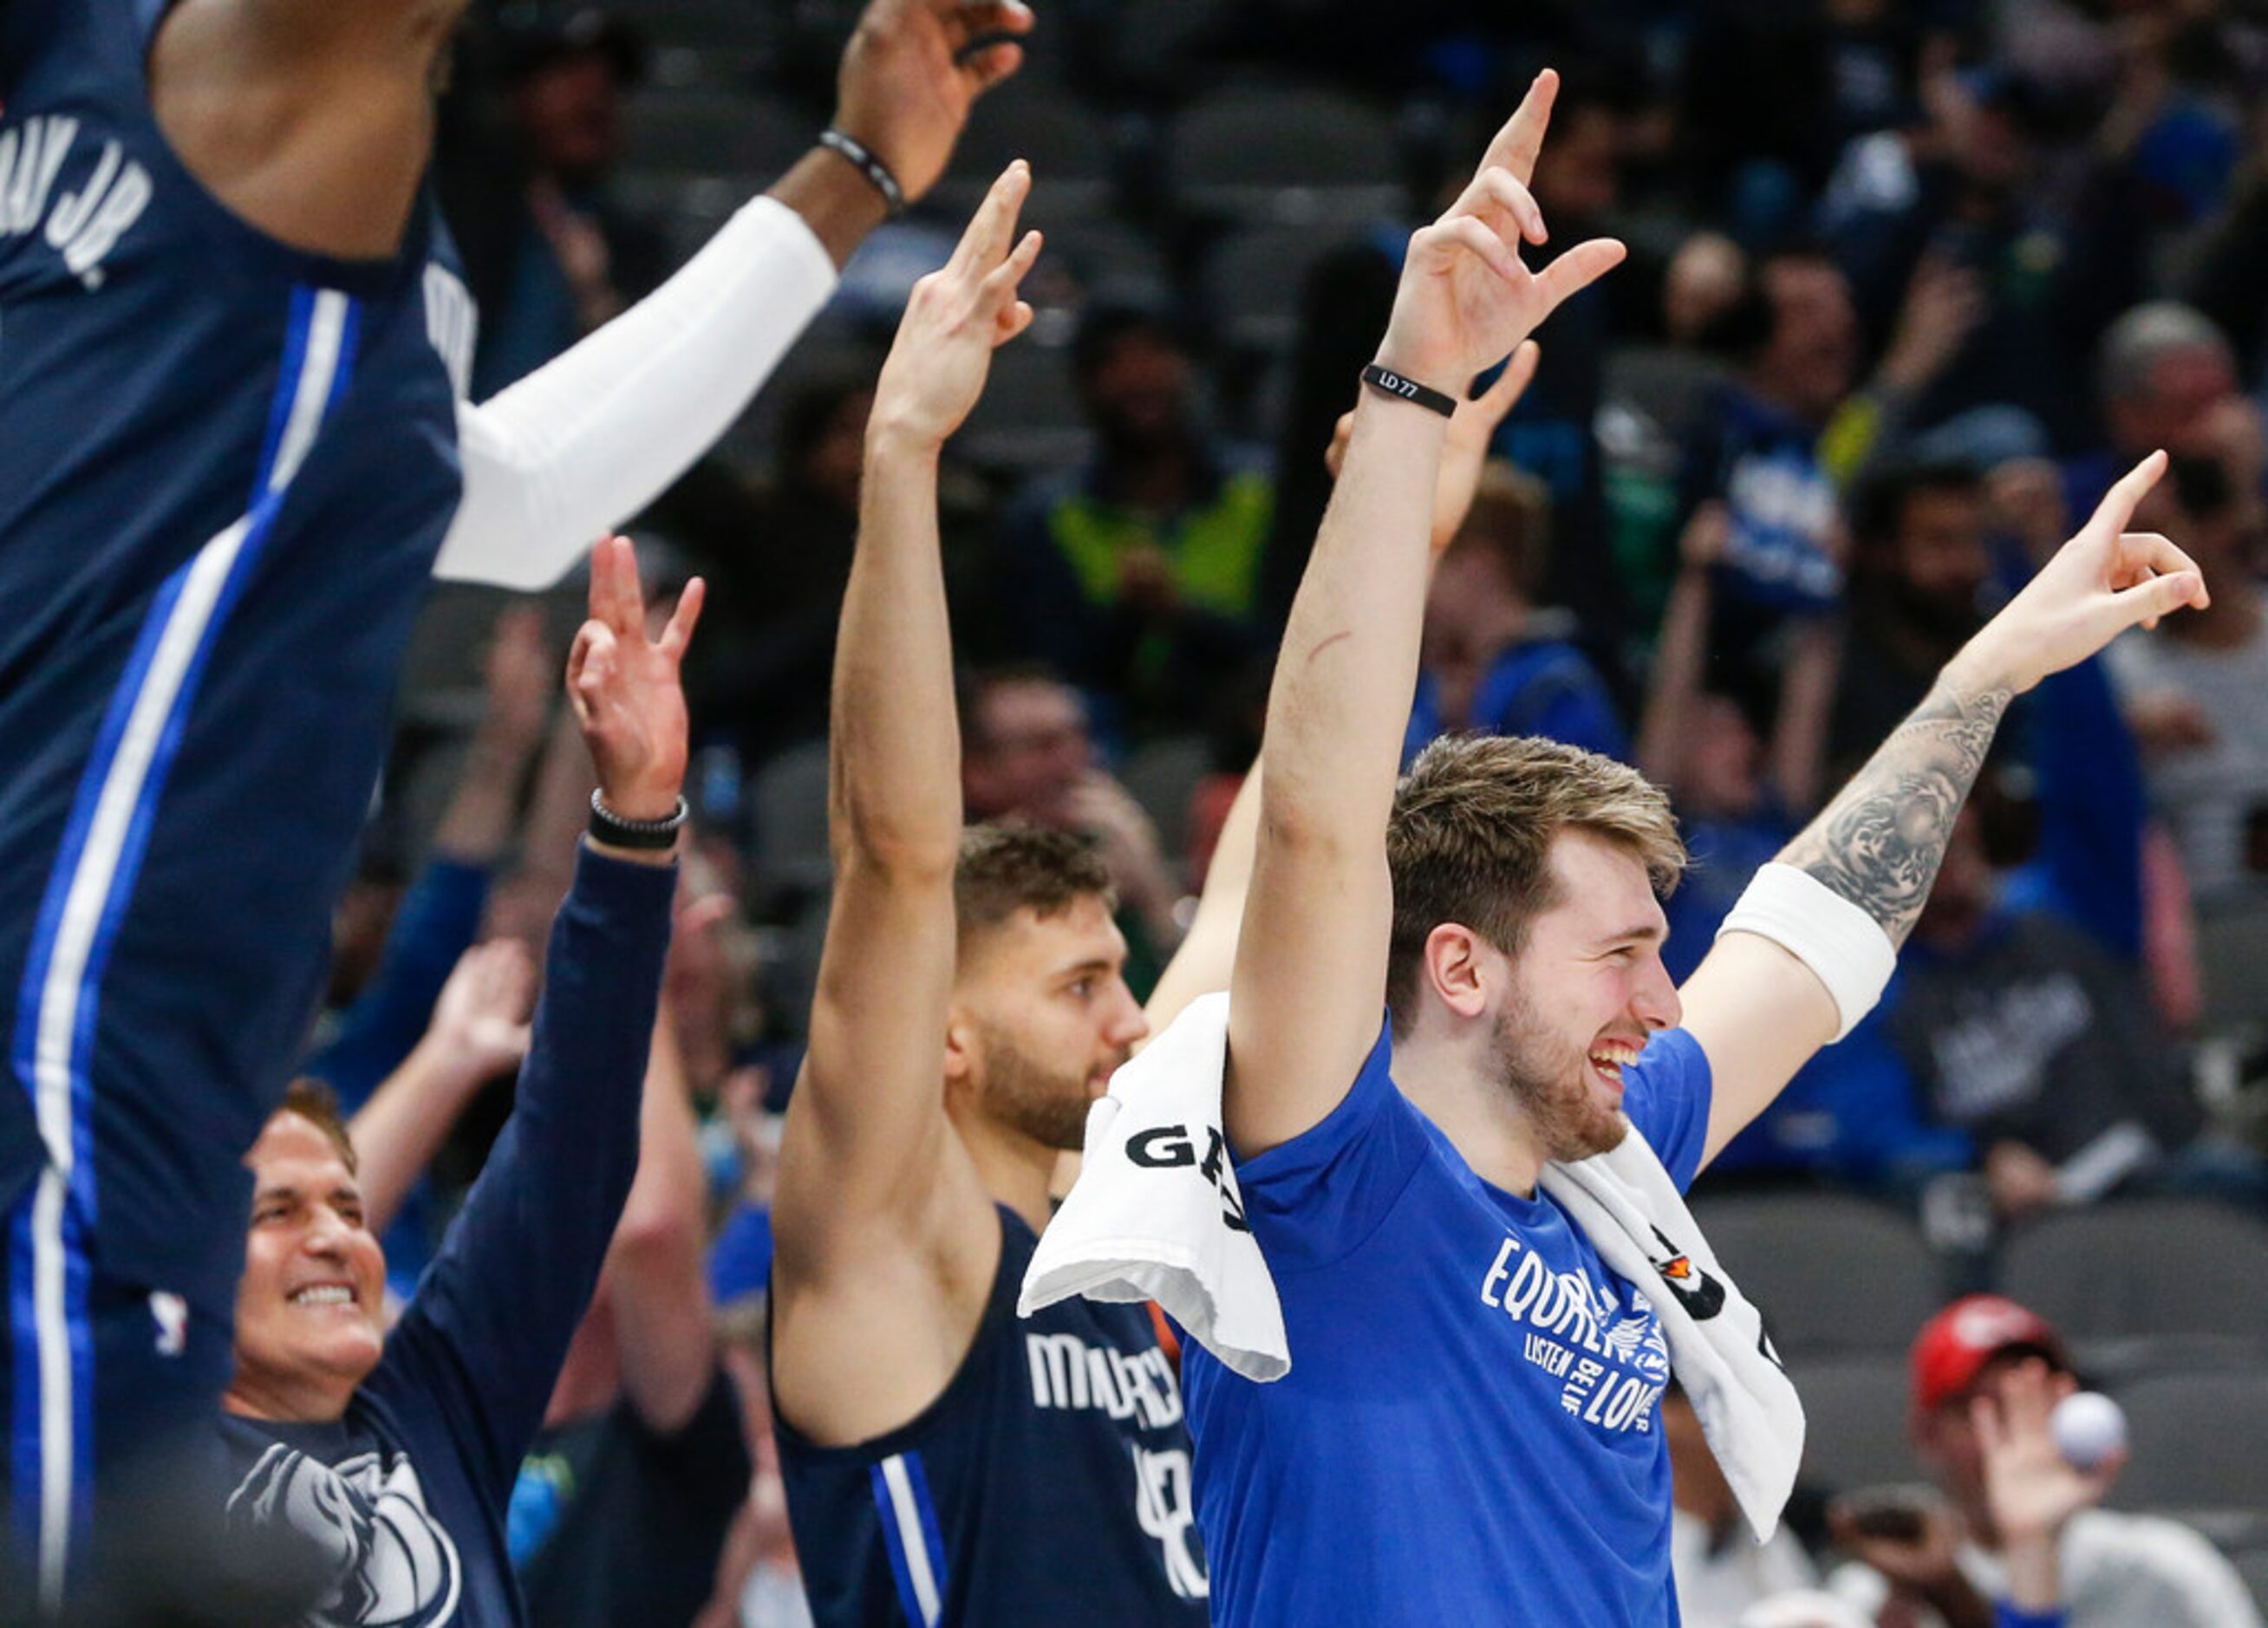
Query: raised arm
[867,1141]
[656,1266]
[1797,761]
[589,439]
[491,1322]
[479,1031]
[1310,972]
[1681,656]
[1760,1012]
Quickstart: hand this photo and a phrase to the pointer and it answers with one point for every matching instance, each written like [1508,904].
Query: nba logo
[171,1313]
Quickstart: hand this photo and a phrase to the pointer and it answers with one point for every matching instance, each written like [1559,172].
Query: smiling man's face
[309,1306]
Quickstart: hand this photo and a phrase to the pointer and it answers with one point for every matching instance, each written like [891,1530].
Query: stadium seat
[2199,1440]
[1066,144]
[1670,384]
[1285,153]
[789,797]
[1253,279]
[2160,1268]
[711,133]
[1028,417]
[1163,776]
[2252,1566]
[2231,952]
[1149,47]
[1832,1273]
[1092,260]
[727,23]
[1854,1411]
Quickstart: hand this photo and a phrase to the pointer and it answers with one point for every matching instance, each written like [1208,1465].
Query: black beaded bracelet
[868,164]
[616,831]
[1403,389]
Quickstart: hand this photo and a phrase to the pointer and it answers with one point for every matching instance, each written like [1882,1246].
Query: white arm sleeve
[592,436]
[1845,947]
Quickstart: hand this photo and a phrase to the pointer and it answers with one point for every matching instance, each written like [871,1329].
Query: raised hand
[624,686]
[479,1023]
[2031,1490]
[1466,301]
[913,70]
[1464,450]
[2103,581]
[957,317]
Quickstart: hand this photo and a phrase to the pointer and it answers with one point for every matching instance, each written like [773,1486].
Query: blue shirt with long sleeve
[400,1502]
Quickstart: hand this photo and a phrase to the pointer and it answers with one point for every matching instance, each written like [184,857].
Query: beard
[1557,1095]
[1047,1105]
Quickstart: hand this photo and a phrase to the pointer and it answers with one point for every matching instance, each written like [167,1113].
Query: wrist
[897,436]
[1978,670]
[871,166]
[449,1066]
[2035,1585]
[650,804]
[837,203]
[1432,372]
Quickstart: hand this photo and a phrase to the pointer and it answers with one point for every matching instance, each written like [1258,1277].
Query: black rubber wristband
[1388,382]
[653,836]
[869,166]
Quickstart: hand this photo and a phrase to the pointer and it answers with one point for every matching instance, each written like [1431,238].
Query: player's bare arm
[313,120]
[1758,1011]
[1310,970]
[887,1240]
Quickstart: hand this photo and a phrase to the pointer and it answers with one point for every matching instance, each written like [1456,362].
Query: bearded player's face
[1586,990]
[1046,1019]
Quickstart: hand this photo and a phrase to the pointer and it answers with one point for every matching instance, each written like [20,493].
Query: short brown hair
[1511,521]
[1006,867]
[1471,839]
[318,1105]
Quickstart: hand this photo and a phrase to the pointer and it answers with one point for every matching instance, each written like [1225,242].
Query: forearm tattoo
[1878,844]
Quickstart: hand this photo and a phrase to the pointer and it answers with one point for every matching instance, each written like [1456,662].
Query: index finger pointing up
[993,227]
[1521,139]
[615,596]
[2118,505]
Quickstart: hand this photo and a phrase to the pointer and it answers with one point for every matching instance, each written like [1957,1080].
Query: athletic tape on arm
[1846,948]
[588,439]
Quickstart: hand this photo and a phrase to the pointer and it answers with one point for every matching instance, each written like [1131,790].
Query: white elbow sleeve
[586,441]
[1845,948]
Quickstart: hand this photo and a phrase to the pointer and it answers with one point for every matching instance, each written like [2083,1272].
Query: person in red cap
[2017,1537]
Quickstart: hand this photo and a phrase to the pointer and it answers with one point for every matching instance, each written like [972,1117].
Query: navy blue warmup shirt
[400,1504]
[1048,1487]
[226,468]
[1471,1429]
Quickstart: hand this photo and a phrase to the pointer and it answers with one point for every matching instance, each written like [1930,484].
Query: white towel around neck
[1156,1215]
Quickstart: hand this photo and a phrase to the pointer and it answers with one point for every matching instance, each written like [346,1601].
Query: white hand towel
[1632,1211]
[1156,1214]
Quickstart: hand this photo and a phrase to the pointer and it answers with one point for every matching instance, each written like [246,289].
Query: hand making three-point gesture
[1466,300]
[624,683]
[957,316]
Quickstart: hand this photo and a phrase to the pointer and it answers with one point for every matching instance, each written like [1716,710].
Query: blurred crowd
[1910,284]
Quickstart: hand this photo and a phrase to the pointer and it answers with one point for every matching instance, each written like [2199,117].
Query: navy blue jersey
[226,468]
[1049,1485]
[401,1505]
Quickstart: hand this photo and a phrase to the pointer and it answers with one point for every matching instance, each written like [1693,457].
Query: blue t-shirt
[1468,1433]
